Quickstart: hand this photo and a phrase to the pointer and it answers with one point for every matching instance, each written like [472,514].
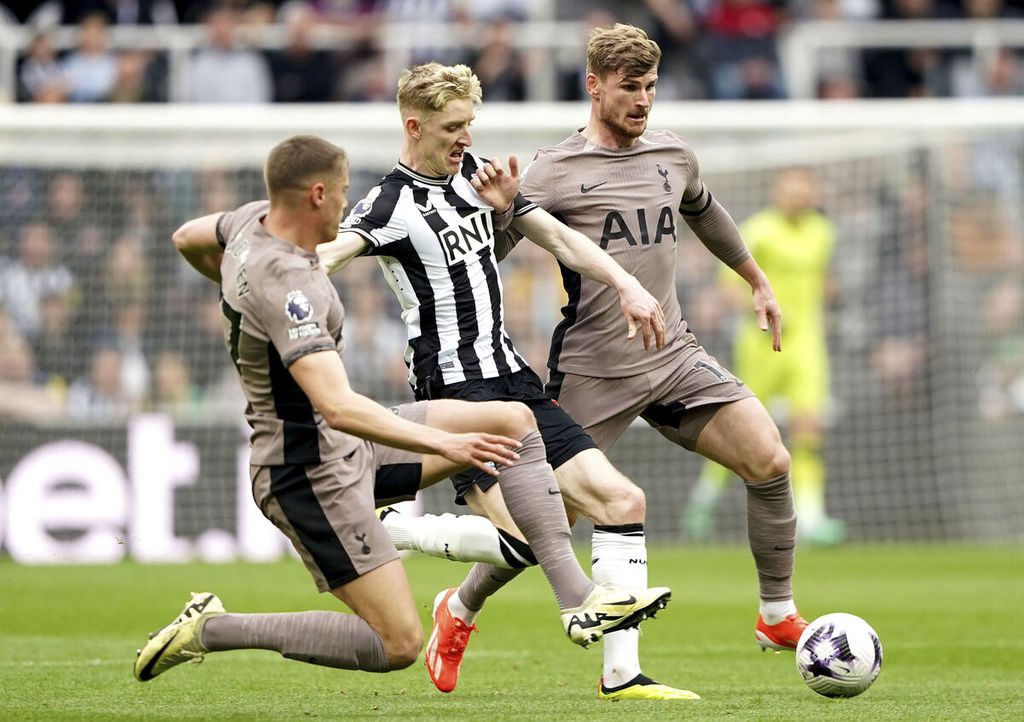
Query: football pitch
[949,618]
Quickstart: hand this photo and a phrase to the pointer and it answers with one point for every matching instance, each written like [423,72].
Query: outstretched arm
[338,253]
[197,241]
[321,375]
[576,251]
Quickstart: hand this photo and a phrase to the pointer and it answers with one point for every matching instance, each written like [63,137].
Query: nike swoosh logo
[586,189]
[631,600]
[784,549]
[146,672]
[552,492]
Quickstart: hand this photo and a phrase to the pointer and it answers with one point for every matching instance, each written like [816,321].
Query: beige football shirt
[278,306]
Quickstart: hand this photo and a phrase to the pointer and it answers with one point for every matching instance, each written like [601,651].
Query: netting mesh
[101,321]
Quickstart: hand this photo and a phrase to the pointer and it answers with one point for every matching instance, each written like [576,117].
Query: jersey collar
[440,180]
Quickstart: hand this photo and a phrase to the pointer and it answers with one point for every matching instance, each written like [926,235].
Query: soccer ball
[839,655]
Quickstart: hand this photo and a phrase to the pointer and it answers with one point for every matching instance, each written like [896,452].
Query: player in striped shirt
[432,222]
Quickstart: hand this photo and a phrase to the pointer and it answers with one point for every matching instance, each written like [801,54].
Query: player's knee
[773,463]
[626,504]
[521,420]
[404,649]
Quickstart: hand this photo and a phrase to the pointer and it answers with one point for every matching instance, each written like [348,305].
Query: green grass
[949,618]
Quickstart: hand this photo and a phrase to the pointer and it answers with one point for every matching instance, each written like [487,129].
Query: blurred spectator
[572,65]
[375,341]
[90,71]
[173,390]
[741,38]
[126,336]
[906,73]
[365,79]
[1001,375]
[499,65]
[65,204]
[410,16]
[21,394]
[222,72]
[901,300]
[203,347]
[997,73]
[301,74]
[58,346]
[17,362]
[35,273]
[126,305]
[839,87]
[838,69]
[40,77]
[141,78]
[21,198]
[490,11]
[674,26]
[121,12]
[101,396]
[127,278]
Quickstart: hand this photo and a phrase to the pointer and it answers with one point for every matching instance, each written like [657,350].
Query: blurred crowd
[713,49]
[100,318]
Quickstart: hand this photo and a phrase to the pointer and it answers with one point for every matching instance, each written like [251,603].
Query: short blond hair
[296,162]
[621,48]
[432,86]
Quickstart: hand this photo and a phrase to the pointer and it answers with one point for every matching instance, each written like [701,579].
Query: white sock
[775,612]
[463,538]
[460,610]
[619,559]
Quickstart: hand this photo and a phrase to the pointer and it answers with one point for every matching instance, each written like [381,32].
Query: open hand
[642,309]
[483,451]
[496,185]
[769,315]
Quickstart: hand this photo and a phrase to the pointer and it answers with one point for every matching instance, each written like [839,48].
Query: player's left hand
[769,315]
[641,308]
[495,184]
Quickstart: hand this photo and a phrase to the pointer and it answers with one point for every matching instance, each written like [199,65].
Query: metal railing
[800,44]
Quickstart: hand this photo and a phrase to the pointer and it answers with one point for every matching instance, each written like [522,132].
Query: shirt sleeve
[539,185]
[377,219]
[231,222]
[709,221]
[536,191]
[291,306]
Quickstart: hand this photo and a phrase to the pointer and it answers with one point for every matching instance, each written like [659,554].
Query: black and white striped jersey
[434,239]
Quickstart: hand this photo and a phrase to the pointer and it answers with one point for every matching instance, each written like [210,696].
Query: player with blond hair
[432,223]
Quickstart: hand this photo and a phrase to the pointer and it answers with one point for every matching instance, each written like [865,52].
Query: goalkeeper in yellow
[792,241]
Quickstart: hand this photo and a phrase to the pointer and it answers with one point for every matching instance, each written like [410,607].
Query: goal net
[121,431]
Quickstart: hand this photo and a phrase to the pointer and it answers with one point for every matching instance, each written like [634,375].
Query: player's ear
[413,127]
[593,86]
[317,193]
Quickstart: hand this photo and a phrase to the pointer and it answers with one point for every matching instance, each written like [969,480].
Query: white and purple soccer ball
[839,655]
